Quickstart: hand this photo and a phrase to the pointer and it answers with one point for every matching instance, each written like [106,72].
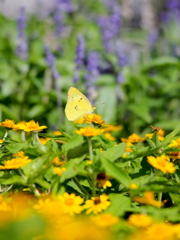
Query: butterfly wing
[77,106]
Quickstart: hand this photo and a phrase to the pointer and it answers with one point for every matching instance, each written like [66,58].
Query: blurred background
[124,55]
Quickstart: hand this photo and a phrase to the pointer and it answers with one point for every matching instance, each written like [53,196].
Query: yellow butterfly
[78,106]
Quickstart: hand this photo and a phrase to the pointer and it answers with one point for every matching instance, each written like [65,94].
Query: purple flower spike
[122,57]
[120,78]
[80,52]
[92,68]
[22,48]
[50,59]
[79,59]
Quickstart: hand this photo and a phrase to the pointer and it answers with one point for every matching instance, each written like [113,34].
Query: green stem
[160,196]
[93,184]
[80,186]
[34,190]
[90,148]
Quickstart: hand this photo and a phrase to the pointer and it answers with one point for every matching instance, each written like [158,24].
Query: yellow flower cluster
[89,131]
[25,126]
[160,135]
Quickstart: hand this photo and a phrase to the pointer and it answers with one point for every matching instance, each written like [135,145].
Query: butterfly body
[78,105]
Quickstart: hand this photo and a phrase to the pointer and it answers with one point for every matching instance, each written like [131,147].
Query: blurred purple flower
[65,5]
[50,59]
[22,48]
[152,38]
[92,68]
[79,59]
[120,78]
[110,27]
[173,4]
[122,57]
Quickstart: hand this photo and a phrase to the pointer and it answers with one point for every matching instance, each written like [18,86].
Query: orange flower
[112,128]
[89,131]
[91,118]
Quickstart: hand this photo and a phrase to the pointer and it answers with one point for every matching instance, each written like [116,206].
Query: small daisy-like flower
[59,171]
[109,136]
[19,154]
[140,220]
[175,143]
[57,132]
[128,145]
[15,163]
[8,123]
[162,163]
[97,204]
[56,161]
[105,219]
[134,138]
[148,198]
[32,126]
[44,140]
[29,126]
[91,118]
[160,135]
[19,125]
[89,131]
[71,203]
[103,181]
[89,162]
[112,128]
[1,141]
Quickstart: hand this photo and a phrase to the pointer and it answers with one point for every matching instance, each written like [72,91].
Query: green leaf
[119,204]
[73,142]
[16,147]
[72,168]
[36,111]
[115,152]
[13,180]
[113,171]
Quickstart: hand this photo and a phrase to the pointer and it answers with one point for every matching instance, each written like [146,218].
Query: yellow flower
[128,145]
[29,126]
[162,163]
[133,186]
[91,118]
[19,125]
[103,181]
[59,171]
[15,163]
[44,140]
[105,219]
[174,155]
[57,161]
[89,162]
[57,132]
[89,131]
[97,204]
[19,154]
[134,138]
[160,135]
[148,198]
[112,128]
[109,136]
[1,141]
[140,220]
[7,123]
[71,203]
[175,143]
